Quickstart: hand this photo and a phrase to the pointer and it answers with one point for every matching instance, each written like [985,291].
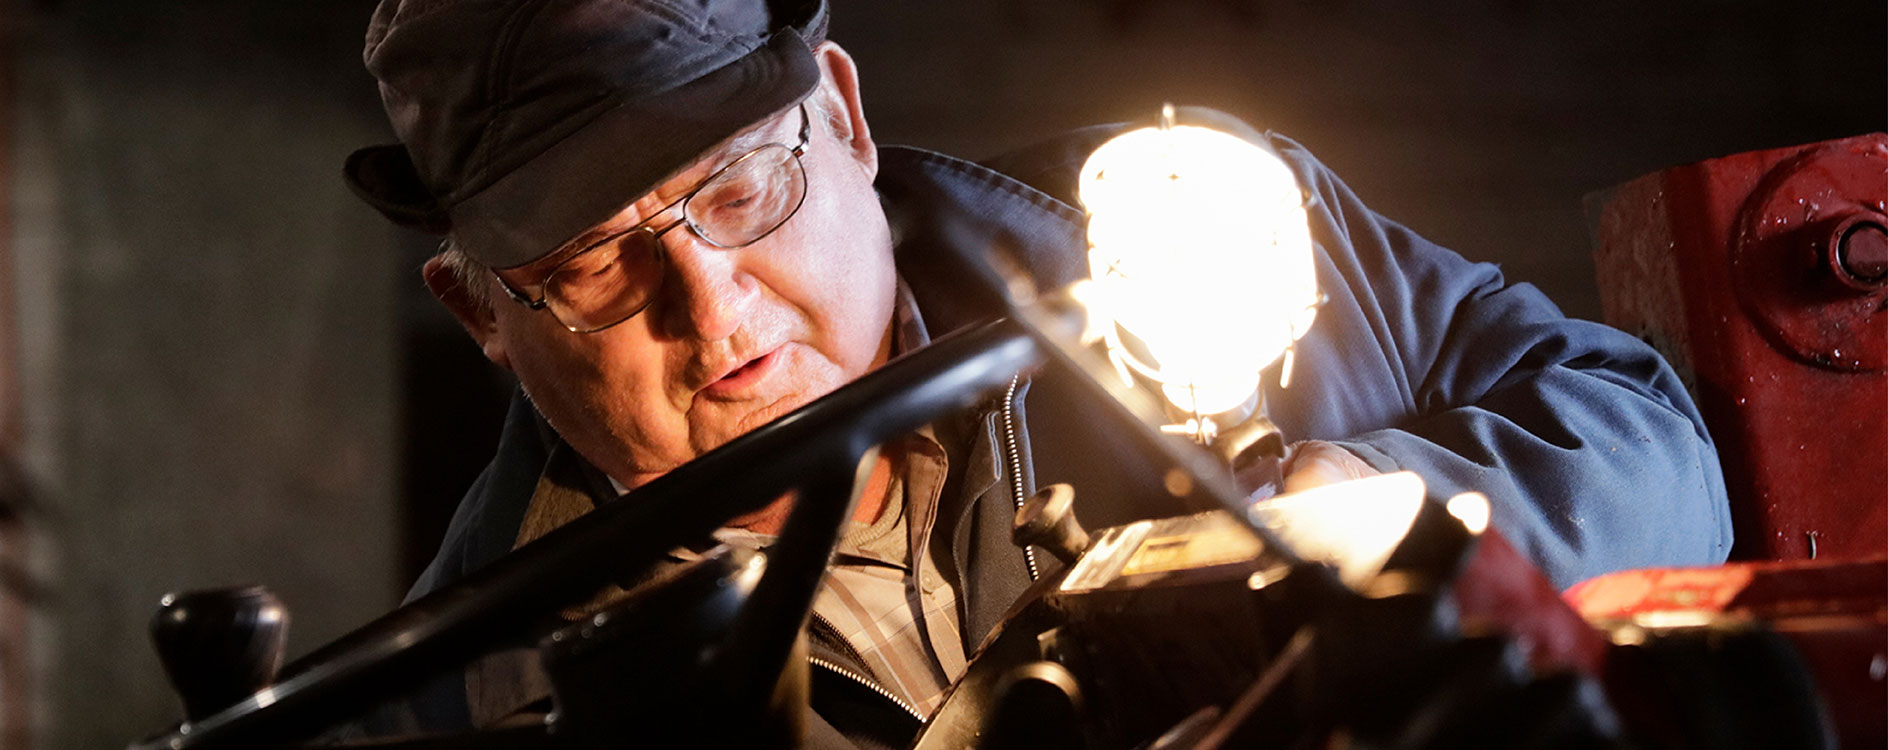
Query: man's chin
[720,423]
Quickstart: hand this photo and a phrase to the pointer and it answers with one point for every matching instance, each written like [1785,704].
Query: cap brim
[626,152]
[384,177]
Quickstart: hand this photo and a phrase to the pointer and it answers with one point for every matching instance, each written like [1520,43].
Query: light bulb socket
[1254,438]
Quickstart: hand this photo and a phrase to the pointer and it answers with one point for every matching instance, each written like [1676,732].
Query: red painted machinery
[1763,277]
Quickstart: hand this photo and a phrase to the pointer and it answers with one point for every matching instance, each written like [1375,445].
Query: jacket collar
[956,222]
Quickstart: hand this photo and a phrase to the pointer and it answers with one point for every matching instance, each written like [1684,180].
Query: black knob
[1047,520]
[219,646]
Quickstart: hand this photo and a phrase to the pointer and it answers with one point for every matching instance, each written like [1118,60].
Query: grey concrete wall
[210,351]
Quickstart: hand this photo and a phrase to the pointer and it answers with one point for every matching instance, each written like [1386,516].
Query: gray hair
[472,276]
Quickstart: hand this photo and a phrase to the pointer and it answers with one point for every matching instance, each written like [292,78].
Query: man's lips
[741,380]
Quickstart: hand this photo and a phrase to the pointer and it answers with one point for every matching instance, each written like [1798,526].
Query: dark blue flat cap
[524,122]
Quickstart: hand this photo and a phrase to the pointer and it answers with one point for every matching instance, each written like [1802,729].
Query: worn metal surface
[1758,276]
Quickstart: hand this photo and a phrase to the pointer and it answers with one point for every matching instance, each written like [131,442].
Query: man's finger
[1315,463]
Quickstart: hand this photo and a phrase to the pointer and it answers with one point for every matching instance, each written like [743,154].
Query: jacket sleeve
[1584,440]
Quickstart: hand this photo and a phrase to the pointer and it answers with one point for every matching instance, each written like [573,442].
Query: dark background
[225,368]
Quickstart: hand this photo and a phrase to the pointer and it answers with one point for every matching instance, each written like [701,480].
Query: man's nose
[708,294]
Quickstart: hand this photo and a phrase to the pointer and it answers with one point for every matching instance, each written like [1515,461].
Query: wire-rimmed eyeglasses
[616,277]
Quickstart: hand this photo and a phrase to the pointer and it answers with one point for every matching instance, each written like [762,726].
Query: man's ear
[840,88]
[475,316]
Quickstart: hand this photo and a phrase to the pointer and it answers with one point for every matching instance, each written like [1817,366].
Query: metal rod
[509,598]
[758,643]
[506,599]
[1261,690]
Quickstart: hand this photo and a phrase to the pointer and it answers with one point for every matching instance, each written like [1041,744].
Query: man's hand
[1315,463]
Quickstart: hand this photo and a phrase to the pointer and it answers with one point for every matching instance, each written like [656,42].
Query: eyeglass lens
[617,277]
[605,284]
[750,199]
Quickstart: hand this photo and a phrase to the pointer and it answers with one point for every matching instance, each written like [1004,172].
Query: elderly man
[671,222]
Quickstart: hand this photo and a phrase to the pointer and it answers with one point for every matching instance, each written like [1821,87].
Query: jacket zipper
[1016,465]
[1012,448]
[863,681]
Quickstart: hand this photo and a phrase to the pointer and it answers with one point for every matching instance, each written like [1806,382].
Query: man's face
[735,337]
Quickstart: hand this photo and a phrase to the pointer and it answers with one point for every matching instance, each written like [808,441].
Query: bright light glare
[1471,508]
[1675,619]
[1352,526]
[1199,247]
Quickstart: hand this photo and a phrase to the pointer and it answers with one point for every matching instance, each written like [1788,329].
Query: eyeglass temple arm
[517,296]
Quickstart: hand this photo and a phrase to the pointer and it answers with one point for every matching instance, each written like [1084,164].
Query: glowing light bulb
[1200,261]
